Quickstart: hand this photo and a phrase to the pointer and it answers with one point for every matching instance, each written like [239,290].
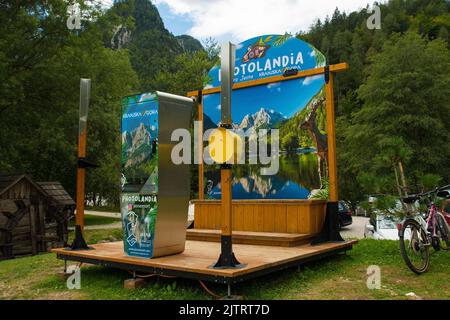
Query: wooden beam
[226,198]
[201,187]
[301,74]
[331,132]
[79,216]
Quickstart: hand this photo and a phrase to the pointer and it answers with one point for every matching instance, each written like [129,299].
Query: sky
[237,20]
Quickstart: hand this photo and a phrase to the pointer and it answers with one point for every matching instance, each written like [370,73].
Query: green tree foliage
[345,38]
[189,44]
[42,65]
[189,73]
[403,117]
[289,141]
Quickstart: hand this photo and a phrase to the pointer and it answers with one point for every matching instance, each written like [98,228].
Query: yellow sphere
[224,145]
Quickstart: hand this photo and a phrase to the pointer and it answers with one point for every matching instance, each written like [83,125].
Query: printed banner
[140,144]
[294,107]
[139,180]
[138,219]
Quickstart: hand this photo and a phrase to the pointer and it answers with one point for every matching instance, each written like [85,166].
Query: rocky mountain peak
[263,117]
[141,136]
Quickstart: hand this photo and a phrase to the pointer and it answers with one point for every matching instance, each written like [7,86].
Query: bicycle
[420,231]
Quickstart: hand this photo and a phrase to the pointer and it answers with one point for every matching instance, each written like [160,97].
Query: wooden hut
[33,216]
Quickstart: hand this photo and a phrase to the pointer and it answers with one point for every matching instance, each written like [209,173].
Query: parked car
[345,215]
[382,227]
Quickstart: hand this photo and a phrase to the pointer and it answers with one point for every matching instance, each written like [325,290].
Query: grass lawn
[92,220]
[103,208]
[339,277]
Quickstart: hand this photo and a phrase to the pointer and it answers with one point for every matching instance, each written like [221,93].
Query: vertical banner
[296,108]
[139,173]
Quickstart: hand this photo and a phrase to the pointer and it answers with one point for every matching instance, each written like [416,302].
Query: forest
[392,103]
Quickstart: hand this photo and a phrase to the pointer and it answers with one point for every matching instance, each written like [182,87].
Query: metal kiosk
[155,191]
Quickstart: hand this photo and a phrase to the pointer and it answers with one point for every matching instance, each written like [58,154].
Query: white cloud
[308,80]
[273,85]
[242,19]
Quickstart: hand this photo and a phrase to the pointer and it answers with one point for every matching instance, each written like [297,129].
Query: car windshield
[342,207]
[387,223]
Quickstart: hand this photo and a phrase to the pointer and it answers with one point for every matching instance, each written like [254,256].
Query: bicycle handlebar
[414,197]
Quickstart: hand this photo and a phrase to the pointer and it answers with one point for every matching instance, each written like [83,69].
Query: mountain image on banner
[262,119]
[137,145]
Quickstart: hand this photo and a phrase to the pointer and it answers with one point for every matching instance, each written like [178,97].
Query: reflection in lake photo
[297,176]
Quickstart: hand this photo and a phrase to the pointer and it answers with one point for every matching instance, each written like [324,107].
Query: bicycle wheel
[414,246]
[442,231]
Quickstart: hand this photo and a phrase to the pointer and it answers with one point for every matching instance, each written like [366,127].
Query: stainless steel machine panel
[174,180]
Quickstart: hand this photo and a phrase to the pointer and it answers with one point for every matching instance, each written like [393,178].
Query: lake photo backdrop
[294,107]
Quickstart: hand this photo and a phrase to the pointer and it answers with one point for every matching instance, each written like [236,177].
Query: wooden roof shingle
[56,192]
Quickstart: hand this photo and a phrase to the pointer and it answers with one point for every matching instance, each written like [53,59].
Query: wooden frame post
[331,139]
[81,173]
[201,186]
[330,230]
[85,91]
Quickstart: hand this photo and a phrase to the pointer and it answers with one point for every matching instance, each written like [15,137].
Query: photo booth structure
[256,237]
[271,222]
[155,191]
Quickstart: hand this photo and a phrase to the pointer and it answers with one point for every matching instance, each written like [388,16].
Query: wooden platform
[249,237]
[195,262]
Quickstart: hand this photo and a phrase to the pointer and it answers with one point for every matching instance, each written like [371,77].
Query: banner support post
[201,186]
[330,230]
[226,259]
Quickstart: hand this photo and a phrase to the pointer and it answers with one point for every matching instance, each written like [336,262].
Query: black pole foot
[78,242]
[227,260]
[330,230]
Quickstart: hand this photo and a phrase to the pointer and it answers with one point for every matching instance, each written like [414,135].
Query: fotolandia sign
[267,56]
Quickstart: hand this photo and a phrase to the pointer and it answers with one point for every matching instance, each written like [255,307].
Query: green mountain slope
[137,25]
[290,130]
[189,44]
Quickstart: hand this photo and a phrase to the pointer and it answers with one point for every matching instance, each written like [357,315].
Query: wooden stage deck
[195,261]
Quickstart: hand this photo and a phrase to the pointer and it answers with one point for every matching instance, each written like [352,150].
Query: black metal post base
[227,260]
[330,229]
[78,242]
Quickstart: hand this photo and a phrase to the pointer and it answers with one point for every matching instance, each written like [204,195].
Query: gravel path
[103,213]
[356,229]
[114,225]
